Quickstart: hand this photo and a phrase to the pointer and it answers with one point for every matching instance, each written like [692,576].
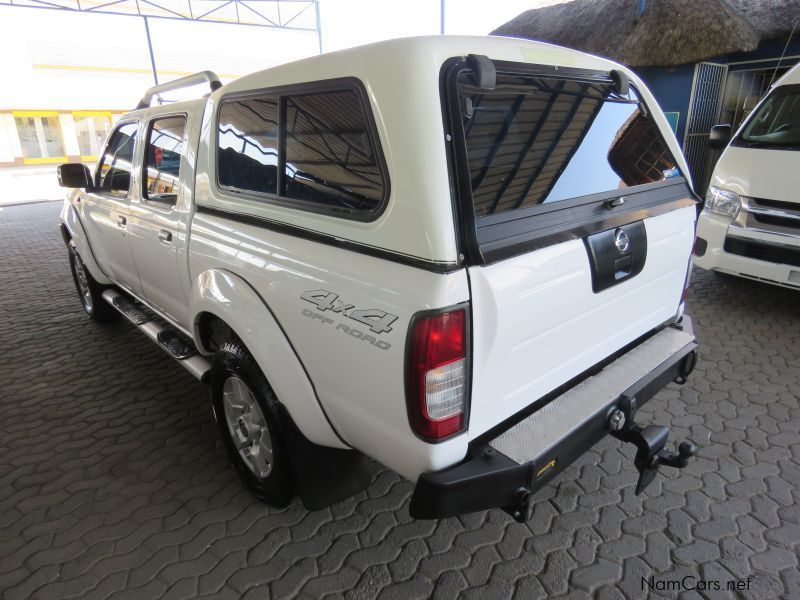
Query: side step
[173,343]
[129,309]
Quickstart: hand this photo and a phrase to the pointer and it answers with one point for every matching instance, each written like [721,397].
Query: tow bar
[650,442]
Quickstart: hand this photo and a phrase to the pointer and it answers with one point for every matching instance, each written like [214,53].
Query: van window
[162,157]
[114,170]
[329,157]
[247,155]
[776,123]
[312,150]
[537,140]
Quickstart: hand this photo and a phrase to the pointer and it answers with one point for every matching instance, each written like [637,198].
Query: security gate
[704,108]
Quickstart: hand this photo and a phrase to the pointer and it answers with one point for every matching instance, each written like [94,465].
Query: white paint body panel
[70,219]
[229,297]
[361,387]
[537,324]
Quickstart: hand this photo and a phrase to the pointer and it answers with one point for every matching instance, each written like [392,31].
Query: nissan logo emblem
[621,241]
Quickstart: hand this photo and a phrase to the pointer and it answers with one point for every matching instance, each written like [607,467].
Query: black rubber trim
[700,247]
[508,234]
[767,252]
[322,475]
[297,355]
[323,238]
[488,479]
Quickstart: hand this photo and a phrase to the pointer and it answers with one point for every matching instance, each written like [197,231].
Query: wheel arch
[72,231]
[222,298]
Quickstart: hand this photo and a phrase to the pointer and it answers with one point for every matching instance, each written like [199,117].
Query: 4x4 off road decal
[377,321]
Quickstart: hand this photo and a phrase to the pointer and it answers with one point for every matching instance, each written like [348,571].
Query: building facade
[69,75]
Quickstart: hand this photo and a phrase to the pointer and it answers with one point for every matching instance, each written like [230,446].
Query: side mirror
[74,175]
[719,137]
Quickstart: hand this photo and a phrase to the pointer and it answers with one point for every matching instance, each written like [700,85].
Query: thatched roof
[670,32]
[770,18]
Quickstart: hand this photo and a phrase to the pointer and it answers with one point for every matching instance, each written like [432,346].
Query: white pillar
[6,152]
[69,135]
[10,127]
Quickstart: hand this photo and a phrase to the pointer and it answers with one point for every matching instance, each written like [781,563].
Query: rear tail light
[437,374]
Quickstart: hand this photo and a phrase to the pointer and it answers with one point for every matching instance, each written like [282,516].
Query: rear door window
[541,140]
[114,171]
[163,154]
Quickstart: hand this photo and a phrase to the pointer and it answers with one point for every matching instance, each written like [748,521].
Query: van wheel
[245,408]
[89,291]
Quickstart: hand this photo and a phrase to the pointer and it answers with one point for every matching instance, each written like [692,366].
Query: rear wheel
[245,408]
[89,291]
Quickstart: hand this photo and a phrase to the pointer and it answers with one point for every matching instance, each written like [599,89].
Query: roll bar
[190,80]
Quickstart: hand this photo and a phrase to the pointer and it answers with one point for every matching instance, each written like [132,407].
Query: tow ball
[651,452]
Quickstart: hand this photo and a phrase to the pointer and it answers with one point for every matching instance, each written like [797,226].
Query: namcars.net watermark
[692,583]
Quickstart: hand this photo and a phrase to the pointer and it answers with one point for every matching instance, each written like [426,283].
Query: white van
[750,225]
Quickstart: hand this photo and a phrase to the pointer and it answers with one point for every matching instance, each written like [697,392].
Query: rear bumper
[488,478]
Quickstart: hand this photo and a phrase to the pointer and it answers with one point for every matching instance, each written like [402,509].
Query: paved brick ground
[113,482]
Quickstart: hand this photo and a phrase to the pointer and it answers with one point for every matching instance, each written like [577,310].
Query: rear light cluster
[437,374]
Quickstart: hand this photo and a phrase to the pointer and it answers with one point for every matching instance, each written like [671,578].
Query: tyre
[89,291]
[246,411]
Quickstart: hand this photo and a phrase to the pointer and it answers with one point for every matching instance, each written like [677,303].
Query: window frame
[280,93]
[97,189]
[490,238]
[185,140]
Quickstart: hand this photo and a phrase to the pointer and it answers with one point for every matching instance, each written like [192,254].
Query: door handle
[165,236]
[121,221]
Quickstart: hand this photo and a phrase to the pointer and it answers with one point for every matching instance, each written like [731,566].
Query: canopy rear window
[536,140]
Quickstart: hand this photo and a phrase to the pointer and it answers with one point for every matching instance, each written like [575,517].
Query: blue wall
[672,86]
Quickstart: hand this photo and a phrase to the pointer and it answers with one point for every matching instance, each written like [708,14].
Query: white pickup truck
[463,257]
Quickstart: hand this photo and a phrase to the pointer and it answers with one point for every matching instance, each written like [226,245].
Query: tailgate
[576,220]
[537,323]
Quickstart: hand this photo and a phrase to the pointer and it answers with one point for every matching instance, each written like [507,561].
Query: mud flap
[322,475]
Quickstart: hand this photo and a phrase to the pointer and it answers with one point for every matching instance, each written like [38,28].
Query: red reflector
[437,340]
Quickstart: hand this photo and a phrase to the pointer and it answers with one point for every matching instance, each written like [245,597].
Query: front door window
[114,172]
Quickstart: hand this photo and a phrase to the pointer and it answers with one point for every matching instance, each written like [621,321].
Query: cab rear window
[536,140]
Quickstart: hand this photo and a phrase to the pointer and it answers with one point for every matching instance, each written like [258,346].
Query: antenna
[771,79]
